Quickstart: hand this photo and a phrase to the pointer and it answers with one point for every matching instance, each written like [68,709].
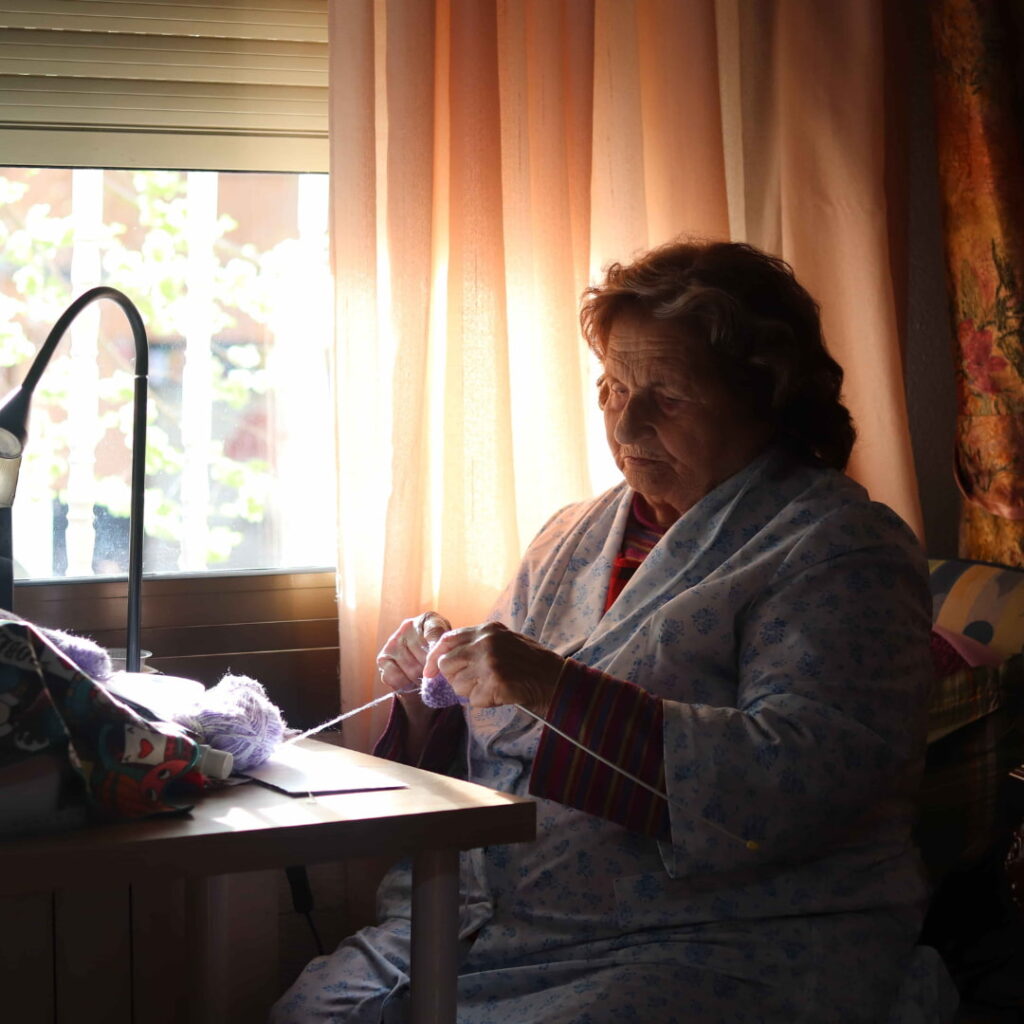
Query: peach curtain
[488,157]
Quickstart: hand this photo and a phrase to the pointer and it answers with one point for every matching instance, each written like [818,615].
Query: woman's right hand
[400,661]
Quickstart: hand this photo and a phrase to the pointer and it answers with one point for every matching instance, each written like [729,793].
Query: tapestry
[980,170]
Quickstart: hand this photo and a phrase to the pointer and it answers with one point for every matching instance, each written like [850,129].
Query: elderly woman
[742,636]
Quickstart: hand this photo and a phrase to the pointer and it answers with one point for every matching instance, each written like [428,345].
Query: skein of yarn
[236,716]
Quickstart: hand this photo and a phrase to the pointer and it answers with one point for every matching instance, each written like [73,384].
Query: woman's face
[675,427]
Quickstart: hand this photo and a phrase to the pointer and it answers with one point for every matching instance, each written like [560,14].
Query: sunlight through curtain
[488,157]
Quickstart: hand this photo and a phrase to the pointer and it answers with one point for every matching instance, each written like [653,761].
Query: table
[250,827]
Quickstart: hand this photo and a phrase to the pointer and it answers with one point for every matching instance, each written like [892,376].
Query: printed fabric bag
[70,751]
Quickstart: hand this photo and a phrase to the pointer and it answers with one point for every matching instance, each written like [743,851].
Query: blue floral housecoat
[784,621]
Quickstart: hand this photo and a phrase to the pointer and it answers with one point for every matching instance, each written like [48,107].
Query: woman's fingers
[400,660]
[392,675]
[450,640]
[491,665]
[432,627]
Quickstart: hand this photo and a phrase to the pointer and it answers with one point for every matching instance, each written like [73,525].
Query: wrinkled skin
[491,666]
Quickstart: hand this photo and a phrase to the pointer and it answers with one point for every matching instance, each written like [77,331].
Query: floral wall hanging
[980,169]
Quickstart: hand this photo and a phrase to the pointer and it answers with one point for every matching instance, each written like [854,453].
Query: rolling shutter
[188,84]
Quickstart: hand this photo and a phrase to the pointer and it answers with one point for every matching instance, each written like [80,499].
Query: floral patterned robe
[783,620]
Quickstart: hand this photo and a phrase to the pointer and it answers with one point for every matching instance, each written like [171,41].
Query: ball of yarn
[87,655]
[437,692]
[237,716]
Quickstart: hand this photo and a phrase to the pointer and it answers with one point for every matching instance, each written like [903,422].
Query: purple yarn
[87,655]
[437,692]
[237,716]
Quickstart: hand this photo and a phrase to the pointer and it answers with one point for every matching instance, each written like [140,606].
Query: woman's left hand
[490,665]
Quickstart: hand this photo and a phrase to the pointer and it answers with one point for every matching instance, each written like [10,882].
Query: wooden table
[251,827]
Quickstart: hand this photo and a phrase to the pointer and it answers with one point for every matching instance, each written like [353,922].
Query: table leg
[435,936]
[232,941]
[206,913]
[205,917]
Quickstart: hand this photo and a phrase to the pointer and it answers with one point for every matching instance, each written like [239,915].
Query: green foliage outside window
[147,257]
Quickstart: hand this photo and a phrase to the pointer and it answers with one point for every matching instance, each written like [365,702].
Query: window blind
[188,84]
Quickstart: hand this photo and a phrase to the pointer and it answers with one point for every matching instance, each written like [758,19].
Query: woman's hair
[763,329]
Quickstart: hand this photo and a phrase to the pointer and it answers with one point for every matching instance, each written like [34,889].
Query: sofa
[971,828]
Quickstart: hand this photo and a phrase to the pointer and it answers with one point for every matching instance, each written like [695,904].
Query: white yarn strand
[346,714]
[750,844]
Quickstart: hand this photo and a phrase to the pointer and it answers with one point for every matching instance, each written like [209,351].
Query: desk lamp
[14,431]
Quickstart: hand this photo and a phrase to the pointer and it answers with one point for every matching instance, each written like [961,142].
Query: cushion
[981,601]
[975,738]
[968,652]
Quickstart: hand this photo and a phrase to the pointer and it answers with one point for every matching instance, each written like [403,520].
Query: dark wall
[931,397]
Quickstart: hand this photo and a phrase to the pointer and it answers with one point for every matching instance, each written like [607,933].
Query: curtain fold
[805,137]
[360,356]
[489,157]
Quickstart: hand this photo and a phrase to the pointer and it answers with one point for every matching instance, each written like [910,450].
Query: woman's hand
[491,666]
[401,659]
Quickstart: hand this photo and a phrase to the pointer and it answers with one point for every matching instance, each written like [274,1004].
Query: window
[173,149]
[176,150]
[229,272]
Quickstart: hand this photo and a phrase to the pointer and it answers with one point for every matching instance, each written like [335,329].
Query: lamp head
[13,433]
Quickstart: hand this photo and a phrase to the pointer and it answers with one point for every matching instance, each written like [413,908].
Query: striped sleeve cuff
[622,723]
[443,745]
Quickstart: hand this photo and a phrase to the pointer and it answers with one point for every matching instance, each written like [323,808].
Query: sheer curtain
[488,157]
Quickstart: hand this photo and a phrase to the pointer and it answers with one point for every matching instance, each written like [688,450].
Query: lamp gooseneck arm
[14,416]
[69,314]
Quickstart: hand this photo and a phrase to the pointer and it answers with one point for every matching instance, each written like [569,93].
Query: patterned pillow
[984,602]
[975,738]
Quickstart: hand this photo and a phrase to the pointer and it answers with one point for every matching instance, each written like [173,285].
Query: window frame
[279,625]
[173,84]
